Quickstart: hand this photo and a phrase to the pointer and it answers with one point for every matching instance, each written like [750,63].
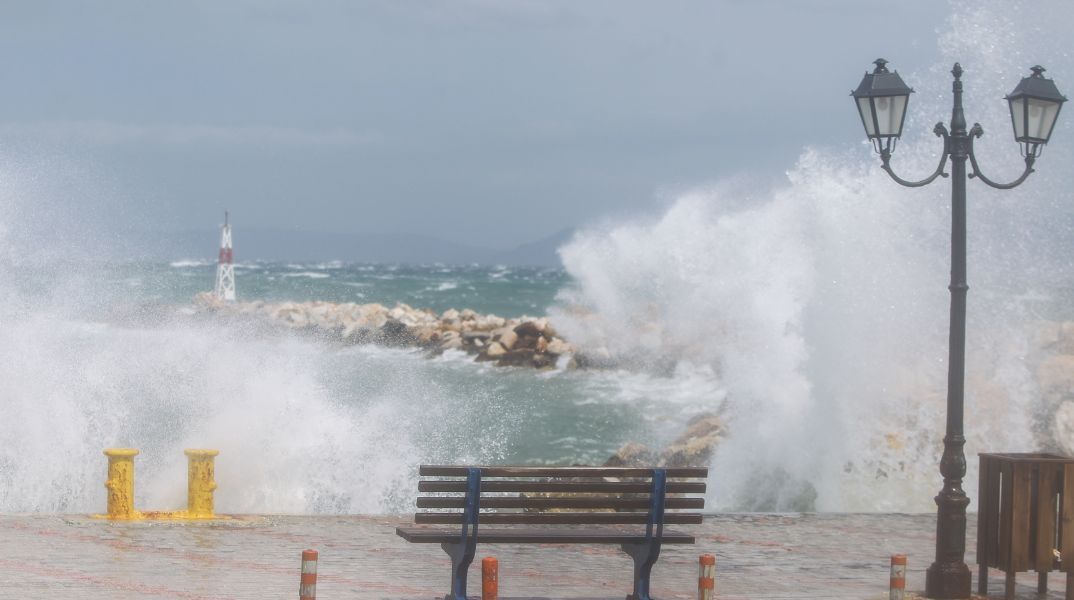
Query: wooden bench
[555,505]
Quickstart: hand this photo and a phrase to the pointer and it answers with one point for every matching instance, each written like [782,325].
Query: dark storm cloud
[484,121]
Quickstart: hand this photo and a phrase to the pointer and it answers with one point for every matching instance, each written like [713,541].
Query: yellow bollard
[200,483]
[120,484]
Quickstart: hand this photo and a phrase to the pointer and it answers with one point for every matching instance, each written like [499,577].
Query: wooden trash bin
[1025,515]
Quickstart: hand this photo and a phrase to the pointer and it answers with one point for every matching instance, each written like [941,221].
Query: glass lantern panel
[890,117]
[866,112]
[1041,117]
[1018,117]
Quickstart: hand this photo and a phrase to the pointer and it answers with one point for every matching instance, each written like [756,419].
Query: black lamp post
[881,99]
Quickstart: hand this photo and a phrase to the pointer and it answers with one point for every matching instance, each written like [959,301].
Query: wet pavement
[764,556]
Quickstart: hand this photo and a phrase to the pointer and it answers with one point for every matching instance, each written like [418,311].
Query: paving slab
[762,556]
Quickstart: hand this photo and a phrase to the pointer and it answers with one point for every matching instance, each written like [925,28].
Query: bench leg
[461,557]
[644,556]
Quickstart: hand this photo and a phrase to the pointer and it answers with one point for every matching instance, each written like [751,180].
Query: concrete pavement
[762,556]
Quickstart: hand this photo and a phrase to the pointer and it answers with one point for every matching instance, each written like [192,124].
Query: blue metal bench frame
[644,553]
[462,552]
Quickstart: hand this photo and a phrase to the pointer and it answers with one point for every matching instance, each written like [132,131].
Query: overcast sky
[499,121]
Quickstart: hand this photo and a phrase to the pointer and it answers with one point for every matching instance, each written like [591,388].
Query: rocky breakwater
[693,448]
[521,342]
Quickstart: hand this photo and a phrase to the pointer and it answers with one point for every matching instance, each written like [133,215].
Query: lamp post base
[947,581]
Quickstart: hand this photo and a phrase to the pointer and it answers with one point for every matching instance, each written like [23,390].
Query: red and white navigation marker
[225,270]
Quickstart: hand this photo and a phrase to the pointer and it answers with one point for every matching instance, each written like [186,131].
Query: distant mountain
[296,245]
[541,253]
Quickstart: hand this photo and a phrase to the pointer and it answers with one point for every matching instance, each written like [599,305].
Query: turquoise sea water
[303,425]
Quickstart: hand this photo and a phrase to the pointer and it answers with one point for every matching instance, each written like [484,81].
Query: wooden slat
[1047,481]
[1028,457]
[608,502]
[539,536]
[986,519]
[505,471]
[598,487]
[1020,517]
[559,518]
[1006,498]
[994,473]
[1066,544]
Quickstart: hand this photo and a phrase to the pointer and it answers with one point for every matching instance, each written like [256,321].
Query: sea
[809,311]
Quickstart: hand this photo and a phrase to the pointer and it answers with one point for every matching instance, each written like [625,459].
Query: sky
[491,122]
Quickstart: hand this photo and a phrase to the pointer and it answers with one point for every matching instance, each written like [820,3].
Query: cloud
[496,13]
[112,133]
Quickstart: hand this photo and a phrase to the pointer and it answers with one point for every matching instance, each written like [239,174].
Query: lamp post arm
[977,132]
[940,131]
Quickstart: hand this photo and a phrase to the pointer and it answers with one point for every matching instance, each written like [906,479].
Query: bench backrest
[561,495]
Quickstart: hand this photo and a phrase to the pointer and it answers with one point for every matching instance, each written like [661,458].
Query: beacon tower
[225,270]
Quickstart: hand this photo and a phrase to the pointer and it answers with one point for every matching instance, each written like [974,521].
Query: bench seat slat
[596,487]
[558,518]
[586,502]
[461,471]
[538,536]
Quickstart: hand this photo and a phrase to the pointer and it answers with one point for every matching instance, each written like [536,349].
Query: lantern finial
[881,65]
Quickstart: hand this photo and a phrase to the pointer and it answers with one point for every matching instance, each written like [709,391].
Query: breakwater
[521,342]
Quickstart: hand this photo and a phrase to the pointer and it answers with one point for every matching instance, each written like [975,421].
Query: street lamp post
[881,99]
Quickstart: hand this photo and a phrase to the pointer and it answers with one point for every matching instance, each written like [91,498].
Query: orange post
[706,577]
[898,577]
[307,589]
[490,578]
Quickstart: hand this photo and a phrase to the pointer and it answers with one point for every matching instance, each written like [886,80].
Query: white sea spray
[821,307]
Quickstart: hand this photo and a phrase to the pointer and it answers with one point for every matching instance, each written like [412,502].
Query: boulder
[528,342]
[632,454]
[558,346]
[353,332]
[544,361]
[426,334]
[396,333]
[494,351]
[695,446]
[449,340]
[506,337]
[295,318]
[454,343]
[449,335]
[516,358]
[528,328]
[474,337]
